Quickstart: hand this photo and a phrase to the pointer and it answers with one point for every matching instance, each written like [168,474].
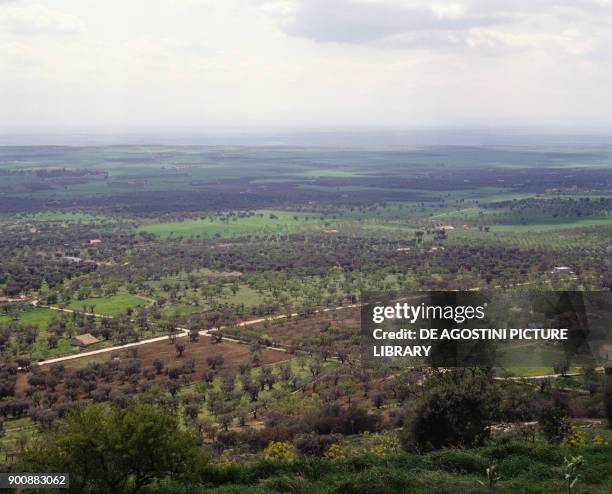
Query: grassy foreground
[524,468]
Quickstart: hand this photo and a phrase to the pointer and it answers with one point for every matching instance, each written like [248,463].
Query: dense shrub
[109,449]
[521,405]
[251,439]
[608,401]
[451,415]
[227,438]
[279,452]
[554,423]
[8,379]
[313,444]
[275,433]
[334,419]
[329,419]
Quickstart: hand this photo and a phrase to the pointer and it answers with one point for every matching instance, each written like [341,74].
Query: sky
[304,64]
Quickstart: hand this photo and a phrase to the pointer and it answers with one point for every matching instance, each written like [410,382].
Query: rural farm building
[562,270]
[84,340]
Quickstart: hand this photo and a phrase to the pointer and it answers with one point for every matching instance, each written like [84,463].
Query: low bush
[608,401]
[451,415]
[314,444]
[458,461]
[554,423]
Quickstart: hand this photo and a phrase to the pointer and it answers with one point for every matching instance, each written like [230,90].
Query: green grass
[108,306]
[259,224]
[528,371]
[587,241]
[245,295]
[547,227]
[191,301]
[41,351]
[39,317]
[288,403]
[524,468]
[13,429]
[535,354]
[508,220]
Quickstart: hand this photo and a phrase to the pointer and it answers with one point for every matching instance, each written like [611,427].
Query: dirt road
[181,333]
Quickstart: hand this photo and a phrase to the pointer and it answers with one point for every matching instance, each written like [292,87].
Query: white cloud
[364,21]
[18,55]
[293,63]
[435,24]
[37,19]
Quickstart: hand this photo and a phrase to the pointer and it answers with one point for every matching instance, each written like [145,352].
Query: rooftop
[84,340]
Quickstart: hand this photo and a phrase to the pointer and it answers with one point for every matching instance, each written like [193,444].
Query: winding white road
[182,333]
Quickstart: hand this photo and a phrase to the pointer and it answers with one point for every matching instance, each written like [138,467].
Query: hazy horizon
[358,138]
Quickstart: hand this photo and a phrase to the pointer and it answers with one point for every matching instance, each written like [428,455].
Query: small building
[84,340]
[72,258]
[562,270]
[95,241]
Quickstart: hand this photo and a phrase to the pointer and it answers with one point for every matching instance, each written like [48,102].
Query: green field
[264,222]
[38,317]
[108,306]
[561,225]
[527,358]
[508,220]
[193,304]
